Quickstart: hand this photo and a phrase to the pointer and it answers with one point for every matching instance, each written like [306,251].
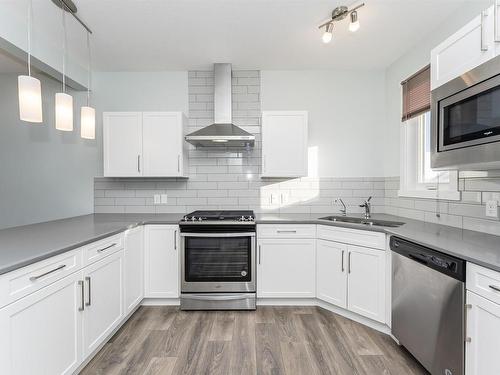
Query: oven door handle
[230,297]
[245,234]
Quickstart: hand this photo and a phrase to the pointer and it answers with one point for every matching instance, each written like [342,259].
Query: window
[417,178]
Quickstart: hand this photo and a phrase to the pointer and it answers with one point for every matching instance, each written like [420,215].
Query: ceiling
[149,35]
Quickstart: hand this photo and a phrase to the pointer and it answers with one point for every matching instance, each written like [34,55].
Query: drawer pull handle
[495,288]
[287,231]
[467,307]
[106,248]
[82,303]
[35,278]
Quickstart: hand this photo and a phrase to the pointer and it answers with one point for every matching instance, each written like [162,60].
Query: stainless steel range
[218,260]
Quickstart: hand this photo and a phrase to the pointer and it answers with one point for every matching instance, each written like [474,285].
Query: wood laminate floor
[271,340]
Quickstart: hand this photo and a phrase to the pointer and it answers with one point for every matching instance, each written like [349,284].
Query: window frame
[411,164]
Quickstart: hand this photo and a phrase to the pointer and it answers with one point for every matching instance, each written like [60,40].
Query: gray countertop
[20,246]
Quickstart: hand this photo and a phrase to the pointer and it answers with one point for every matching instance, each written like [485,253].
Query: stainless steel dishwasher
[428,301]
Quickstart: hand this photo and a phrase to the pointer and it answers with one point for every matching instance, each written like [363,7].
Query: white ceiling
[144,35]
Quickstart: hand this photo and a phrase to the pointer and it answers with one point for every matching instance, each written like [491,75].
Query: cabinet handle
[286,231]
[106,248]
[263,163]
[139,163]
[82,303]
[342,263]
[89,302]
[484,47]
[467,307]
[178,163]
[259,254]
[495,288]
[175,239]
[349,262]
[495,16]
[35,278]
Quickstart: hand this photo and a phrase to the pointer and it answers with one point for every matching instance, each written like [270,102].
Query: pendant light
[87,119]
[29,88]
[64,102]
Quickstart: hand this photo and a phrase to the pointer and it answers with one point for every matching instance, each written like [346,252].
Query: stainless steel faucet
[343,210]
[368,208]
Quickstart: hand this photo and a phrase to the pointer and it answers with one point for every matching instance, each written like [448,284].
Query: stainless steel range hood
[223,132]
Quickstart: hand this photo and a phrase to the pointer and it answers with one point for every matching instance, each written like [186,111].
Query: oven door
[470,117]
[218,262]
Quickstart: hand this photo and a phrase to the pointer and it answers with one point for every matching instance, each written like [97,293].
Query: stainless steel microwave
[465,115]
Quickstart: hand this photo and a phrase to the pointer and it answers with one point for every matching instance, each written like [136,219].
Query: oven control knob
[199,219]
[243,273]
[243,218]
[250,218]
[193,218]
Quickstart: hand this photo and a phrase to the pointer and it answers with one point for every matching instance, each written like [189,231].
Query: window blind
[416,93]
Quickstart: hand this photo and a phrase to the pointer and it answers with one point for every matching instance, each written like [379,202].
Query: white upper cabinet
[284,143]
[122,137]
[145,144]
[469,47]
[163,143]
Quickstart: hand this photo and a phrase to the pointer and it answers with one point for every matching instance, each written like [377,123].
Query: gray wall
[45,174]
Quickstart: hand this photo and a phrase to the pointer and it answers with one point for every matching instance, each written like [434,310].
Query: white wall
[346,116]
[45,174]
[417,57]
[138,91]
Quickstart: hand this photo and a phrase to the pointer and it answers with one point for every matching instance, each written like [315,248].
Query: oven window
[473,118]
[217,259]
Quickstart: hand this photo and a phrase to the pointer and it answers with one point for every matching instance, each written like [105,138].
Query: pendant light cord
[89,78]
[30,10]
[64,48]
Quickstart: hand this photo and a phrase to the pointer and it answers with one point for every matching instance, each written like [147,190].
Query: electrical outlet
[492,209]
[157,199]
[164,199]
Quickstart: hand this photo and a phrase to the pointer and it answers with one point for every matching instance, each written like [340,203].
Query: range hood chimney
[223,132]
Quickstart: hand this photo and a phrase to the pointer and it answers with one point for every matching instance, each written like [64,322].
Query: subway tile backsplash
[223,178]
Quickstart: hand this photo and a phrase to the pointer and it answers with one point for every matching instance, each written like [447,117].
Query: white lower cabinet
[286,268]
[41,333]
[366,282]
[331,272]
[103,300]
[133,268]
[483,326]
[352,277]
[161,261]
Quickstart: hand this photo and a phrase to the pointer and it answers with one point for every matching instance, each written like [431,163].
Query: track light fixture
[339,14]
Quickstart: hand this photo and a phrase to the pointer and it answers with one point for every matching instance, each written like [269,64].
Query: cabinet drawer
[484,282]
[286,231]
[100,249]
[358,237]
[26,280]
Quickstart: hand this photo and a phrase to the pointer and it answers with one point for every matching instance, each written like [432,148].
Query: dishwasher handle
[418,258]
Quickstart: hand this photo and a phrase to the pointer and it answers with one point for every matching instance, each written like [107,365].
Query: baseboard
[381,327]
[161,302]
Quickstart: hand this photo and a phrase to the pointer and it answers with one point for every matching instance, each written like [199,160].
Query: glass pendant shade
[64,112]
[88,123]
[30,99]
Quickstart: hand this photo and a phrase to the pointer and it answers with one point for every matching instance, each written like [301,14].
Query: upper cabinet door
[122,138]
[468,48]
[162,141]
[284,143]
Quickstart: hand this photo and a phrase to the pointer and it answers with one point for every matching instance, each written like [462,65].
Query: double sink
[363,221]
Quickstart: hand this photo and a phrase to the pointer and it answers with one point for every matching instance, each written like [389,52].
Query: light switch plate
[492,209]
[157,199]
[164,198]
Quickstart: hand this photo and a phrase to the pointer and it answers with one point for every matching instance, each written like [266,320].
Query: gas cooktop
[220,216]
